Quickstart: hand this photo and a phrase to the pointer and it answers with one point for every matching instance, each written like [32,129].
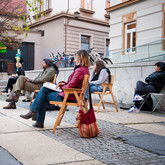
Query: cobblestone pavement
[108,147]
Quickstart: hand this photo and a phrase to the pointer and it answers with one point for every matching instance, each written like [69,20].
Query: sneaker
[133,109]
[26,100]
[77,111]
[137,98]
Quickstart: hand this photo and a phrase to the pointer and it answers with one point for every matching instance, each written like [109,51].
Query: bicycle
[63,60]
[91,57]
[105,59]
[56,59]
[99,56]
[71,60]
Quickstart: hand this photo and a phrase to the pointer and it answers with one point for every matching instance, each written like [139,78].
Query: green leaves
[14,29]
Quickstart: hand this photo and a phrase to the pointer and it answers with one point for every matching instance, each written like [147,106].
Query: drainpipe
[66,24]
[68,7]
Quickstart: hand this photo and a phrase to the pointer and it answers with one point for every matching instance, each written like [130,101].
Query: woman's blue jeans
[41,102]
[93,88]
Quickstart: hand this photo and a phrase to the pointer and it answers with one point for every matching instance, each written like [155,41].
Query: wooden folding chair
[106,92]
[78,94]
[36,91]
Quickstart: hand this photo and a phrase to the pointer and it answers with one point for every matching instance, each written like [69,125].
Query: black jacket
[157,79]
[20,71]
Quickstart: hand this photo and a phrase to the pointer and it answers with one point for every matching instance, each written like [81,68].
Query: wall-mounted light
[42,32]
[76,15]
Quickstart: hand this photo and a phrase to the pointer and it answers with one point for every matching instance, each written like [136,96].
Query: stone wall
[126,76]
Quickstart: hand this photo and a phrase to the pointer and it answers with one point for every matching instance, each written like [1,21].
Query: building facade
[137,29]
[61,30]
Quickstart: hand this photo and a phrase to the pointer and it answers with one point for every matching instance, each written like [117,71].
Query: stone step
[3,84]
[3,80]
[4,76]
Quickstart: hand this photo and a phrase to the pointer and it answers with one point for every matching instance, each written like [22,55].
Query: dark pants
[142,89]
[10,83]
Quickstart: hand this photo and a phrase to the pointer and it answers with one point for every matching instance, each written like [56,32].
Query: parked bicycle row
[63,60]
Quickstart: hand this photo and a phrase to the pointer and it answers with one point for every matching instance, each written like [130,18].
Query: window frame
[108,3]
[84,4]
[129,31]
[128,18]
[39,6]
[107,39]
[90,40]
[46,5]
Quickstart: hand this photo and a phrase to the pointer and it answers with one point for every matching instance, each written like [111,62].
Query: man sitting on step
[24,83]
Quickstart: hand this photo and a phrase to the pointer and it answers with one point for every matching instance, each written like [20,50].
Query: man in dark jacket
[24,83]
[154,83]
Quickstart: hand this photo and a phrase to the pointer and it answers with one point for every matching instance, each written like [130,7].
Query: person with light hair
[38,108]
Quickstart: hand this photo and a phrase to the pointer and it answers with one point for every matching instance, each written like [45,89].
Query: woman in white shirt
[100,75]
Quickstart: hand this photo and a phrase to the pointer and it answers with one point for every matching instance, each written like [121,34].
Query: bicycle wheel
[107,61]
[91,61]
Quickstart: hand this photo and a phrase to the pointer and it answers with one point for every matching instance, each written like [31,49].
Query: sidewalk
[117,143]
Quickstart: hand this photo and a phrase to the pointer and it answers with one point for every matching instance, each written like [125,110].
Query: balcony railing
[152,51]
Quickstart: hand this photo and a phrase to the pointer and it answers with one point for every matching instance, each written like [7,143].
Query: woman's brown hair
[83,57]
[99,66]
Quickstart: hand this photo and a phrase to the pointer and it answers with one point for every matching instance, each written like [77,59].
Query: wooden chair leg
[85,105]
[61,117]
[114,101]
[0,92]
[60,113]
[101,99]
[102,102]
[34,95]
[57,120]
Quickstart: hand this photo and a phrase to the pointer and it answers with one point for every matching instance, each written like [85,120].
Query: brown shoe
[29,115]
[11,105]
[38,125]
[14,98]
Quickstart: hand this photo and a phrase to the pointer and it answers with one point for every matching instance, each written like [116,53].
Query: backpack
[96,76]
[109,74]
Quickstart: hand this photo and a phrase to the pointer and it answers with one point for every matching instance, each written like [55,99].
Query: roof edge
[123,4]
[69,15]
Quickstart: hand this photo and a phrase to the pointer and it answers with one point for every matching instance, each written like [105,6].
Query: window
[107,48]
[85,42]
[130,37]
[47,4]
[87,4]
[107,3]
[38,6]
